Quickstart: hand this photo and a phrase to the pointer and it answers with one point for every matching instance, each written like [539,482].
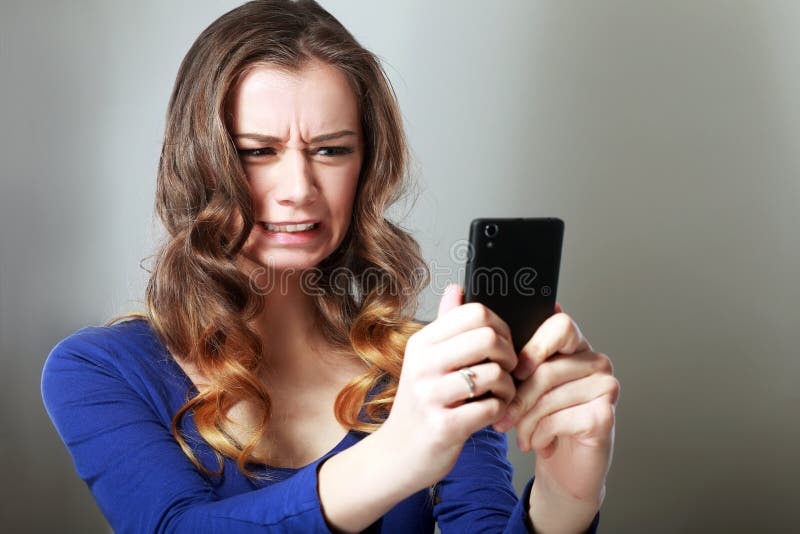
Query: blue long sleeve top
[111,392]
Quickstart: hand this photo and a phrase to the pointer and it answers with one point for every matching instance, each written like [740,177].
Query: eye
[333,151]
[255,152]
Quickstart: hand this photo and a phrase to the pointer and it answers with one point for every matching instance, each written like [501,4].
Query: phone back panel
[512,268]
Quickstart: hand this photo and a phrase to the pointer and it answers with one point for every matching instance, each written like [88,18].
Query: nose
[295,185]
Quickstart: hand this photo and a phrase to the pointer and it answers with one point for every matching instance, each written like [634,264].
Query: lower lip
[291,238]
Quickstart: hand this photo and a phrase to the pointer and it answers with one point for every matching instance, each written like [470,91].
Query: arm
[549,513]
[478,495]
[137,473]
[343,479]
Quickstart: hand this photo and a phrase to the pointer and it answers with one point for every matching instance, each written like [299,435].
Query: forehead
[293,105]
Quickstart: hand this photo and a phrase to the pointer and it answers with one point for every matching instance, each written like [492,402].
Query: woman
[278,380]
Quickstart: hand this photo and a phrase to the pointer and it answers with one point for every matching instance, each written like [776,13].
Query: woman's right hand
[430,420]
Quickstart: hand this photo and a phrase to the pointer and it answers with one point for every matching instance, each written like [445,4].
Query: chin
[282,262]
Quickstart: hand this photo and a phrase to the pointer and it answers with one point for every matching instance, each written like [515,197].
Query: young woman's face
[300,142]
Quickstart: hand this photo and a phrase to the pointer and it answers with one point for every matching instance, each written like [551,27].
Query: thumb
[450,299]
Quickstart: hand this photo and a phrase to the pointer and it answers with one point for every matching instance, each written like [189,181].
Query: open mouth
[289,228]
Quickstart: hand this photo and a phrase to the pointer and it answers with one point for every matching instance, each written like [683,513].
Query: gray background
[665,134]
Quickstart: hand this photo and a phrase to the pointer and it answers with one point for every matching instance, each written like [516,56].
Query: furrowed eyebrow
[272,139]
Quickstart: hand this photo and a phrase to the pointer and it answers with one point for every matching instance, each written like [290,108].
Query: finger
[487,378]
[461,319]
[558,333]
[559,309]
[589,423]
[565,396]
[450,299]
[471,348]
[473,416]
[555,371]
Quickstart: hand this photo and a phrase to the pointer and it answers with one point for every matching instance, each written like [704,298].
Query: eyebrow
[272,139]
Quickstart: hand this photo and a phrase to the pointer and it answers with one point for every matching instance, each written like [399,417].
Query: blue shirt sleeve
[478,496]
[135,469]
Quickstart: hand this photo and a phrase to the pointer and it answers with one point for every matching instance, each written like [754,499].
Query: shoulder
[129,348]
[105,364]
[99,343]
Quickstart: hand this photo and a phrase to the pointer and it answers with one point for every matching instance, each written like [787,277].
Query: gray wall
[665,134]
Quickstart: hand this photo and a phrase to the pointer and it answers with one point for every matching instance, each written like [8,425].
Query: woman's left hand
[564,409]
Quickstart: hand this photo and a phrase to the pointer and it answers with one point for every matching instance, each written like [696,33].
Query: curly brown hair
[199,302]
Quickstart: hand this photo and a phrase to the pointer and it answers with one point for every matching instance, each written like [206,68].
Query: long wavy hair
[197,300]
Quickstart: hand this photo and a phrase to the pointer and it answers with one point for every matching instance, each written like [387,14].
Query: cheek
[258,190]
[340,190]
[345,200]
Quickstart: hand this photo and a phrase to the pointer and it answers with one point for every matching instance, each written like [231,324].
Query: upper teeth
[289,227]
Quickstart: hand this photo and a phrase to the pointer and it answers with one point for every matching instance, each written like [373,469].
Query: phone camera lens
[491,230]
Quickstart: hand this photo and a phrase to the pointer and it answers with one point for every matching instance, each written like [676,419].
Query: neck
[295,350]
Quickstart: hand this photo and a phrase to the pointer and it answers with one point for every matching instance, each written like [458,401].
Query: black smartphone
[512,268]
